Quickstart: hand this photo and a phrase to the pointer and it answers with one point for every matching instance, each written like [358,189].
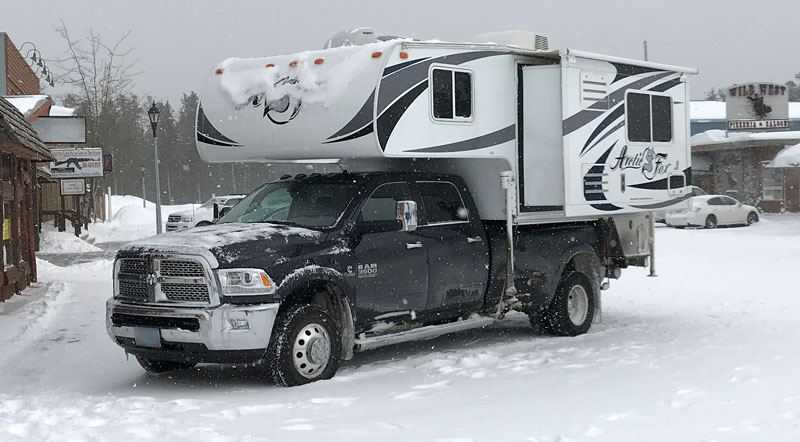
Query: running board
[429,331]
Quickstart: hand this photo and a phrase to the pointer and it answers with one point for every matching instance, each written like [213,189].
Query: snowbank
[131,221]
[788,157]
[53,241]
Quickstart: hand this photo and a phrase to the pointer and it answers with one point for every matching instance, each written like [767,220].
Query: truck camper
[476,178]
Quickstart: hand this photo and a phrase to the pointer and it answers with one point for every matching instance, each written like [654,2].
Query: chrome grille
[163,279]
[137,266]
[185,292]
[133,290]
[174,219]
[180,268]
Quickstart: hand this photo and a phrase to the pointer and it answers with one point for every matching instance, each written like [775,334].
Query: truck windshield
[296,203]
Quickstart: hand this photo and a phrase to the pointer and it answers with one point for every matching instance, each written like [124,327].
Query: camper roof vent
[522,39]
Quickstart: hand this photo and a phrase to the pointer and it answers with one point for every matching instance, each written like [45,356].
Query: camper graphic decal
[207,133]
[400,85]
[280,111]
[649,162]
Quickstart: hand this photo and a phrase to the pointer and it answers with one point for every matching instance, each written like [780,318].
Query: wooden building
[20,151]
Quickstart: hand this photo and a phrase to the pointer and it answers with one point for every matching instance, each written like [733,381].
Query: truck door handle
[413,245]
[472,239]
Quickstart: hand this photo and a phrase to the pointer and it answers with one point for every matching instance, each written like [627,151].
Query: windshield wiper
[282,223]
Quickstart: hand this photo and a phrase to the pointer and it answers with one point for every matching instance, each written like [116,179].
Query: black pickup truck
[308,269]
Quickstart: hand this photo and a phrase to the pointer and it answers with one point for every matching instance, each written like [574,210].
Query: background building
[735,144]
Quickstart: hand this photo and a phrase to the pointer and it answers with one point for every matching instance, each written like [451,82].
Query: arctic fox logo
[649,162]
[280,111]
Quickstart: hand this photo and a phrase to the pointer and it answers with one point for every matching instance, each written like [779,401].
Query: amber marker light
[271,65]
[319,61]
[404,55]
[376,54]
[219,71]
[293,64]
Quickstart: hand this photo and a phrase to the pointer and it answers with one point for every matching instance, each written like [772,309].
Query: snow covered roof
[718,136]
[61,111]
[28,105]
[788,157]
[715,110]
[20,131]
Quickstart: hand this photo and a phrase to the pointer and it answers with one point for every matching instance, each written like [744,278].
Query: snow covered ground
[131,221]
[708,351]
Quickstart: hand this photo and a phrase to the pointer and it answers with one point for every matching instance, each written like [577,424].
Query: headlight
[245,282]
[186,219]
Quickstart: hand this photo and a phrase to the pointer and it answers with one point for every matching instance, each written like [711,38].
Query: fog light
[238,324]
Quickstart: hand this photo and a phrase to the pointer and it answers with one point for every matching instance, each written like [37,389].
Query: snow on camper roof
[244,78]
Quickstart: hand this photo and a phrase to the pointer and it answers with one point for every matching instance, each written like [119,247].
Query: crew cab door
[458,253]
[391,265]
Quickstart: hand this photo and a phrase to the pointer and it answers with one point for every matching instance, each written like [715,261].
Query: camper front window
[451,93]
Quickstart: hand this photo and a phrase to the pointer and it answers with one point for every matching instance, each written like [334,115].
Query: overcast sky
[177,42]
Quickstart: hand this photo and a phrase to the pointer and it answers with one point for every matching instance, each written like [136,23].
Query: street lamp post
[153,114]
[144,199]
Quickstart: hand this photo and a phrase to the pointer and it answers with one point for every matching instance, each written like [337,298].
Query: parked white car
[200,216]
[710,211]
[660,215]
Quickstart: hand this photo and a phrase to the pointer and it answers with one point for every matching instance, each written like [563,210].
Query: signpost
[76,186]
[77,163]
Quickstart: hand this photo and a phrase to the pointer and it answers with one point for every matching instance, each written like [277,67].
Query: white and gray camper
[585,135]
[475,178]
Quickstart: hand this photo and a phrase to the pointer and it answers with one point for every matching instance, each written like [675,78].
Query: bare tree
[99,72]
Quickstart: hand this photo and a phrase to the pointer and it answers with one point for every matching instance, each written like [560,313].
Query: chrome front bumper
[219,328]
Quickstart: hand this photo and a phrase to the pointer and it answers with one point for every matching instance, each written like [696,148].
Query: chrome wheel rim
[577,304]
[311,351]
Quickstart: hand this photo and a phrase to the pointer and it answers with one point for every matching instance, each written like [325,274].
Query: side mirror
[407,215]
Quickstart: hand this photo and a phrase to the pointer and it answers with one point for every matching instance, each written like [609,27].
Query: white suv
[200,216]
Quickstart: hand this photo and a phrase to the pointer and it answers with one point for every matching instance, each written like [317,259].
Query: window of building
[451,93]
[772,184]
[7,165]
[649,118]
[443,203]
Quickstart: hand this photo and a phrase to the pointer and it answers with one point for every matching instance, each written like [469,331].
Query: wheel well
[589,264]
[332,298]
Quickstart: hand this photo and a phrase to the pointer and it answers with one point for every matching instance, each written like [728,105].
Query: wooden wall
[17,196]
[20,79]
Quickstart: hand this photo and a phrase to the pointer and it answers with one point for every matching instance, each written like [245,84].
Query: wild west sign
[757,107]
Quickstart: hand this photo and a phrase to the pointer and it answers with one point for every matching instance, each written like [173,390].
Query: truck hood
[224,244]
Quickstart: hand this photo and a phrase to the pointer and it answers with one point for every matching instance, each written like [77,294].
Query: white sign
[64,130]
[77,163]
[73,187]
[758,124]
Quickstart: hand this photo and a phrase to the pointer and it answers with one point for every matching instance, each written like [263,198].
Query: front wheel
[711,222]
[305,346]
[752,218]
[572,310]
[151,365]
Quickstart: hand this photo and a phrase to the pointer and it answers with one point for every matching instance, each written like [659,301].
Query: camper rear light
[218,71]
[319,61]
[376,54]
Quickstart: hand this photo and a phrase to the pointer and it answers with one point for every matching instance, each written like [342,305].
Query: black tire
[158,366]
[538,321]
[287,366]
[574,287]
[202,223]
[752,218]
[711,222]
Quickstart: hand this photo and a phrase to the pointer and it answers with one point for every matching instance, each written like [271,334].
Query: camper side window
[649,118]
[451,93]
